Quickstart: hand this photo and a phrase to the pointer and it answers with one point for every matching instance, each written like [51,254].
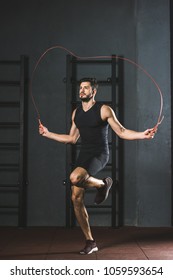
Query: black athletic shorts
[92,158]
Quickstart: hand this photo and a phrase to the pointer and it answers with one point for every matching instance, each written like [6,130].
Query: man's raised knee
[78,180]
[75,179]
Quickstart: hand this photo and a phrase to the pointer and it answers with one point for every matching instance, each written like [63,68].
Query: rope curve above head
[160,116]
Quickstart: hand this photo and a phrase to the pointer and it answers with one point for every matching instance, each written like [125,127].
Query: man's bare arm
[108,114]
[72,137]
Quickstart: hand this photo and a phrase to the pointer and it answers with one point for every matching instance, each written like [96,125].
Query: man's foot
[89,248]
[102,193]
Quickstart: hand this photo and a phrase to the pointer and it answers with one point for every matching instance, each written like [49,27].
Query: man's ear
[94,91]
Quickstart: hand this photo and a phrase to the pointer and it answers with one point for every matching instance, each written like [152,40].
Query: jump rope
[160,116]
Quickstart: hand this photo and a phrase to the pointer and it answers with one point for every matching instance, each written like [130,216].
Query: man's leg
[83,219]
[80,178]
[80,211]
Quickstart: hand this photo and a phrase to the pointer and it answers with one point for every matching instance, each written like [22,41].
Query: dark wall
[154,172]
[136,29]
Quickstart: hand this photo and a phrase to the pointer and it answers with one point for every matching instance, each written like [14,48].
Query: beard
[86,99]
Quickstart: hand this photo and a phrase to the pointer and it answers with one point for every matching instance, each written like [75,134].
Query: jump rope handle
[155,128]
[39,121]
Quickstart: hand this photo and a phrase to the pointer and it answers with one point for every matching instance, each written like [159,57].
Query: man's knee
[78,179]
[75,178]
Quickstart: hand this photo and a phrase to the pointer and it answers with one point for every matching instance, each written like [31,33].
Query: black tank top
[93,130]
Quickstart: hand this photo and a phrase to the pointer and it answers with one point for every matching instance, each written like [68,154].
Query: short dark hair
[92,81]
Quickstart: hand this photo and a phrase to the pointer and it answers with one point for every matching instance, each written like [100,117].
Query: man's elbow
[121,133]
[121,136]
[73,141]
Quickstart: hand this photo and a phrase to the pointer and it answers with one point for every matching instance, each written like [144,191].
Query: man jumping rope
[90,121]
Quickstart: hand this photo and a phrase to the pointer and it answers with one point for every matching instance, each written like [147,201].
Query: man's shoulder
[106,107]
[77,108]
[106,111]
[102,105]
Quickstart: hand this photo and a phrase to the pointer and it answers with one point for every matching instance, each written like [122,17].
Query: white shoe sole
[90,252]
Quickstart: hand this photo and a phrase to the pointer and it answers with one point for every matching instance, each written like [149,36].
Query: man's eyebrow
[85,86]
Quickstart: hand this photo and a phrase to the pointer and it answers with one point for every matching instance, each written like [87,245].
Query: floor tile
[126,243]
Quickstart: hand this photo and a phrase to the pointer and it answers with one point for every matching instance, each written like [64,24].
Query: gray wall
[154,173]
[139,30]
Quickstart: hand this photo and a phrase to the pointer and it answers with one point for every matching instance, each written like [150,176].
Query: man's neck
[87,105]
